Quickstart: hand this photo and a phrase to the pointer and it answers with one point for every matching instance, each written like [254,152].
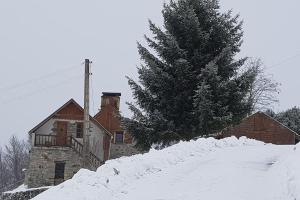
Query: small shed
[261,126]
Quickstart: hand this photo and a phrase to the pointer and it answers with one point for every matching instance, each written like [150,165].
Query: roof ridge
[59,109]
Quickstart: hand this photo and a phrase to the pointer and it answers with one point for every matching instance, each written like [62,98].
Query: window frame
[123,137]
[79,128]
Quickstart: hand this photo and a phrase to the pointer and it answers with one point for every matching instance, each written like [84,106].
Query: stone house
[261,126]
[57,142]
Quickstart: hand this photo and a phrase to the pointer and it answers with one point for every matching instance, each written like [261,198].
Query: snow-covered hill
[207,169]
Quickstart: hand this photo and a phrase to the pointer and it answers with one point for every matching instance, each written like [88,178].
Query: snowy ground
[204,169]
[24,188]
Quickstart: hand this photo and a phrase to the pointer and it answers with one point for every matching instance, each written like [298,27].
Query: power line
[44,89]
[43,77]
[284,60]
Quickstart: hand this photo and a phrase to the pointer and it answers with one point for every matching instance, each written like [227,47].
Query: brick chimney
[110,101]
[109,111]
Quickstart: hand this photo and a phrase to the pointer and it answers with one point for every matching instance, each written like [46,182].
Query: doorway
[61,137]
[59,175]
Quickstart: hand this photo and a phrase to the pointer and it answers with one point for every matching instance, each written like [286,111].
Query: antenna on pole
[86,118]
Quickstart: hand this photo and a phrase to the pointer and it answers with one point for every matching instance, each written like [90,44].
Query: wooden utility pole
[86,122]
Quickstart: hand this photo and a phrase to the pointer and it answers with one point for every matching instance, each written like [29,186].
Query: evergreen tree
[290,118]
[190,83]
[270,112]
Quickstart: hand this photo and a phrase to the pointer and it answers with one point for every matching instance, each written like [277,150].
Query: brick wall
[261,127]
[109,118]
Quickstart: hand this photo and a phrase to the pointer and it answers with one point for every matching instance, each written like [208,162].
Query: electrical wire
[44,89]
[34,80]
[284,60]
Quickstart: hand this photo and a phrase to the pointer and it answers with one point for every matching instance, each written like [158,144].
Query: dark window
[59,173]
[79,130]
[59,170]
[119,137]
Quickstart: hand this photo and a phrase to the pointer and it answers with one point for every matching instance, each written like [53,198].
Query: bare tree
[264,89]
[16,158]
[4,173]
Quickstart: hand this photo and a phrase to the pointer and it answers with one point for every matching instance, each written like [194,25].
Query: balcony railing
[77,146]
[94,160]
[58,141]
[47,140]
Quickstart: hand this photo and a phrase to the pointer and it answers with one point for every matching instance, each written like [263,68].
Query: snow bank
[21,188]
[211,169]
[287,171]
[24,188]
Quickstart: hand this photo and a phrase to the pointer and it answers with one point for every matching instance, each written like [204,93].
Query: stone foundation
[23,195]
[119,150]
[41,170]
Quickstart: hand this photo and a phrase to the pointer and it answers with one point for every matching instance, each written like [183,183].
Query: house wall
[47,128]
[42,159]
[41,168]
[119,150]
[96,138]
[109,114]
[108,117]
[262,127]
[96,141]
[22,195]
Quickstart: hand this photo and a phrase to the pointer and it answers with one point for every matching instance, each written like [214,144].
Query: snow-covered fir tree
[190,82]
[290,118]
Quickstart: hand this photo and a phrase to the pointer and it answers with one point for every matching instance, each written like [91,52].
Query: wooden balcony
[50,140]
[57,141]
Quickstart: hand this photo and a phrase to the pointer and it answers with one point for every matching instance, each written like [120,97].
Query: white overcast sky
[43,43]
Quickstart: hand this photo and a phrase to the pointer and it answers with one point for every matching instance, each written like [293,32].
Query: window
[59,172]
[119,137]
[79,130]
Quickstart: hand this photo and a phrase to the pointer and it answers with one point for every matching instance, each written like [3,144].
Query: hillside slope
[203,169]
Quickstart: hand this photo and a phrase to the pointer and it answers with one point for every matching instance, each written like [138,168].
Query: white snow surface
[21,188]
[231,169]
[24,188]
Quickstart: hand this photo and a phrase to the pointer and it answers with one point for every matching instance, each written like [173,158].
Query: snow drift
[210,169]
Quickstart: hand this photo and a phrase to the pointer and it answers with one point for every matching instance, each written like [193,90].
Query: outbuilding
[261,126]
